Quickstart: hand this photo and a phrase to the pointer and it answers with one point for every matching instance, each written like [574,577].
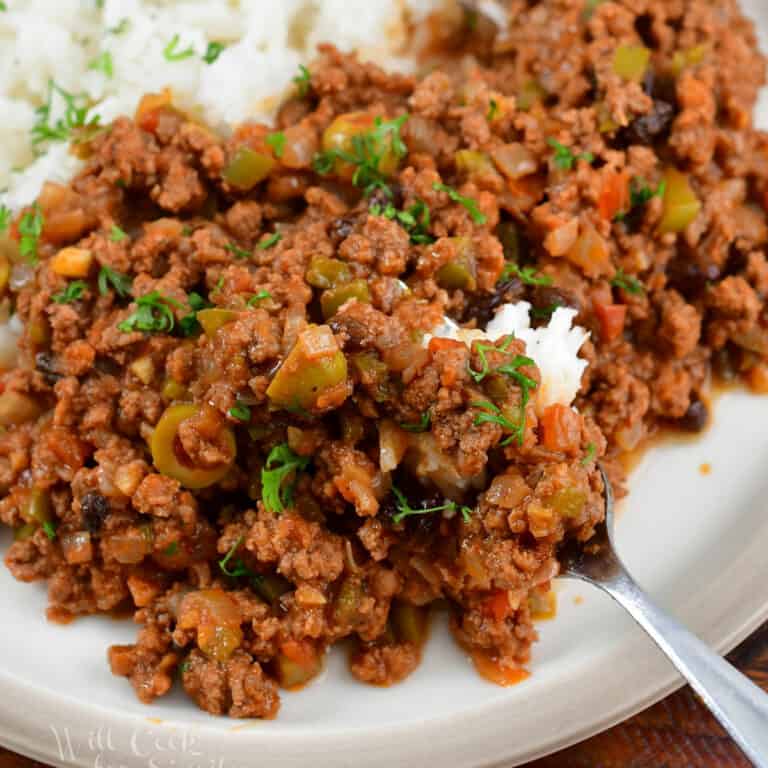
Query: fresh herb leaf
[640,194]
[276,140]
[185,667]
[3,6]
[406,510]
[544,313]
[217,288]
[239,569]
[189,325]
[421,426]
[256,298]
[116,234]
[512,369]
[103,63]
[303,81]
[414,220]
[171,53]
[471,205]
[72,292]
[75,117]
[526,275]
[366,154]
[213,51]
[240,412]
[5,217]
[119,282]
[100,4]
[273,239]
[492,414]
[493,110]
[50,530]
[481,350]
[564,158]
[627,283]
[153,314]
[589,456]
[282,463]
[171,549]
[237,252]
[30,229]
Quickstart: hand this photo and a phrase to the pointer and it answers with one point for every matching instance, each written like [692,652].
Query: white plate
[696,542]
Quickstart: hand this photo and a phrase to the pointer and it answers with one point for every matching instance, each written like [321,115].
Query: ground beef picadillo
[224,416]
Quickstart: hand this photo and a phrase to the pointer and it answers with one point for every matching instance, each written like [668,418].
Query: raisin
[95,509]
[46,364]
[648,128]
[696,417]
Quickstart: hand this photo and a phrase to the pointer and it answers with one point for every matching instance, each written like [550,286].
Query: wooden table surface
[675,733]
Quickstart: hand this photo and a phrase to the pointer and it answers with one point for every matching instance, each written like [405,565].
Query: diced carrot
[560,428]
[302,653]
[612,318]
[614,197]
[441,345]
[496,606]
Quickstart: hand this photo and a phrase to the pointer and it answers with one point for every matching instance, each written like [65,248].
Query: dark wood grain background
[675,733]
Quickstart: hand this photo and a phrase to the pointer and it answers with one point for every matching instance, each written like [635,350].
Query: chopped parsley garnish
[240,412]
[273,239]
[30,229]
[493,110]
[5,217]
[640,194]
[171,549]
[491,413]
[421,426]
[119,282]
[171,53]
[238,568]
[75,117]
[71,293]
[481,349]
[185,667]
[237,252]
[589,455]
[366,154]
[256,298]
[414,220]
[564,157]
[189,325]
[627,283]
[103,63]
[116,234]
[544,313]
[526,275]
[276,140]
[153,315]
[303,81]
[213,51]
[512,369]
[471,205]
[50,530]
[282,463]
[406,510]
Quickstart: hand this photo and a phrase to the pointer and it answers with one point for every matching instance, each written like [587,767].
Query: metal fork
[739,705]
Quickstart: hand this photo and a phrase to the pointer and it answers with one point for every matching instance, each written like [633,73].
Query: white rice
[266,41]
[553,347]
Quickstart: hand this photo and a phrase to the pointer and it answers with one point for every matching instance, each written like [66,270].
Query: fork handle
[739,705]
